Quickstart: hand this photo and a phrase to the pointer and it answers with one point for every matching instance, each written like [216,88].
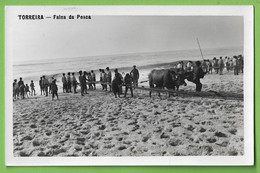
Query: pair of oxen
[169,79]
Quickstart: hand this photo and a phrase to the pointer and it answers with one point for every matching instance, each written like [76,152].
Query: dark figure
[235,65]
[32,88]
[101,78]
[15,89]
[93,79]
[121,77]
[64,82]
[21,86]
[221,66]
[74,83]
[54,89]
[41,85]
[81,82]
[45,85]
[50,82]
[240,64]
[109,78]
[104,80]
[22,90]
[135,75]
[85,82]
[116,83]
[27,90]
[128,84]
[69,83]
[198,73]
[90,81]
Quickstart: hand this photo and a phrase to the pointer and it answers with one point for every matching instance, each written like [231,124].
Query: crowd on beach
[87,80]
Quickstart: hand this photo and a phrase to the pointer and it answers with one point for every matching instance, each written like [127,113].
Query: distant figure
[104,80]
[128,84]
[109,78]
[235,64]
[21,87]
[189,66]
[27,90]
[81,82]
[240,60]
[32,88]
[90,81]
[15,89]
[50,82]
[20,82]
[45,85]
[135,75]
[117,74]
[210,67]
[93,79]
[54,89]
[85,82]
[204,66]
[101,77]
[180,67]
[64,83]
[215,65]
[198,73]
[22,90]
[116,84]
[74,83]
[41,85]
[221,66]
[69,82]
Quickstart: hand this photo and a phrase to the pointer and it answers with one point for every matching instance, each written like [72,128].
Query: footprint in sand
[175,142]
[220,134]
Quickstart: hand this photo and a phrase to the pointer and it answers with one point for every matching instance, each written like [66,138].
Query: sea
[33,70]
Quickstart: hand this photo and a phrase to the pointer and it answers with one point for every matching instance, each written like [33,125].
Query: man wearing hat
[135,75]
[198,73]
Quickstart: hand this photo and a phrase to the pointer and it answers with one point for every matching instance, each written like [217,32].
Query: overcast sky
[106,35]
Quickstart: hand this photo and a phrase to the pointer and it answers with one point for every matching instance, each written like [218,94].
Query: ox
[165,79]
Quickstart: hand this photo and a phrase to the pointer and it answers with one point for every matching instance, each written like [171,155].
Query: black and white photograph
[129,85]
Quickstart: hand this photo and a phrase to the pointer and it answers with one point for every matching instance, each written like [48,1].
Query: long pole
[200,48]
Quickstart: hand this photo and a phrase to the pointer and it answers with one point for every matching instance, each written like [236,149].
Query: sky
[108,35]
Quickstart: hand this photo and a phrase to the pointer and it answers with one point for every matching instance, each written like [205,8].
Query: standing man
[69,82]
[198,73]
[74,83]
[119,77]
[81,82]
[109,78]
[93,78]
[85,82]
[32,88]
[221,66]
[128,84]
[41,85]
[235,65]
[135,75]
[64,82]
[45,85]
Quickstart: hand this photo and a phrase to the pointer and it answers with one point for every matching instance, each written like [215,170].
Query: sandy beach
[100,125]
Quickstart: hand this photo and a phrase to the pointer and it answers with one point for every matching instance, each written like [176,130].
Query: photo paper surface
[129,85]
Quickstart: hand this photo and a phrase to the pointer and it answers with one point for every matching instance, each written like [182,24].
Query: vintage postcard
[129,85]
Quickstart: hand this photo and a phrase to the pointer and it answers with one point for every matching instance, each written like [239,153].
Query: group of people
[236,64]
[21,90]
[87,80]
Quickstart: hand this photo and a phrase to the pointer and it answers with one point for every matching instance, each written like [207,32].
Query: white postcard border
[245,11]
